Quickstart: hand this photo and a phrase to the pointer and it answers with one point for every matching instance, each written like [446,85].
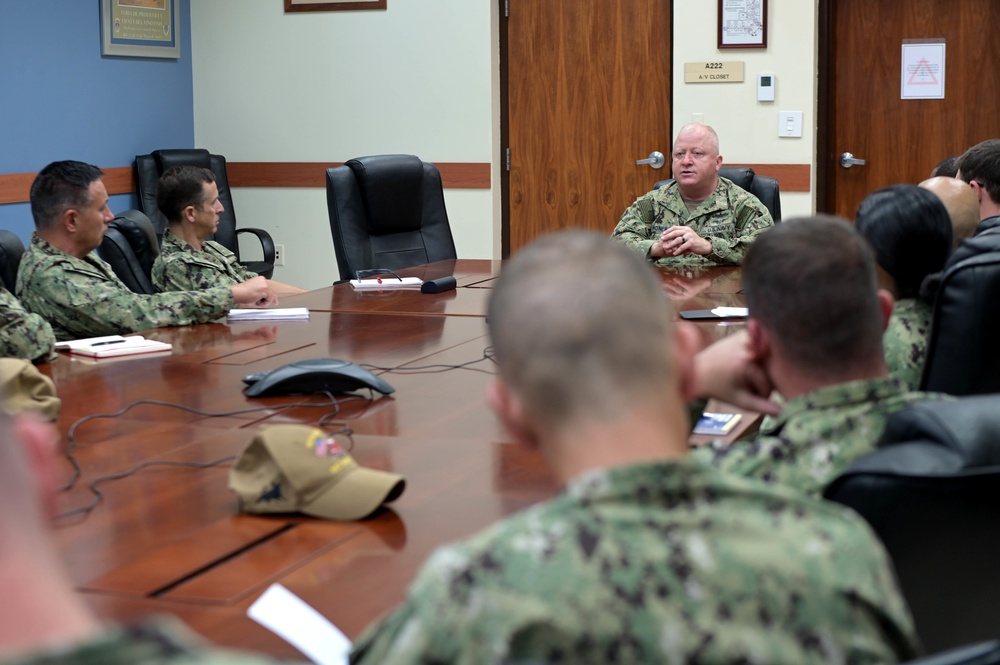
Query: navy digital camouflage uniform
[23,334]
[731,218]
[666,562]
[816,436]
[181,267]
[905,340]
[163,641]
[84,298]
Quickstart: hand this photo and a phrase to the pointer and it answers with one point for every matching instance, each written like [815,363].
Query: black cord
[488,354]
[98,497]
[71,433]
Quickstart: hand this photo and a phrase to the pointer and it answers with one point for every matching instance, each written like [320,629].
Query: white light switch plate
[790,123]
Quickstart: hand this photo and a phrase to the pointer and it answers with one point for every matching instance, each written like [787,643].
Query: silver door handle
[656,160]
[847,160]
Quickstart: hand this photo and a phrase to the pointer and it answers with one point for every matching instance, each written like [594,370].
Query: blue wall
[61,99]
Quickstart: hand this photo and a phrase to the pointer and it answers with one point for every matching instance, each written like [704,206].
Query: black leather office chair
[150,167]
[387,211]
[130,247]
[11,249]
[962,357]
[932,494]
[765,188]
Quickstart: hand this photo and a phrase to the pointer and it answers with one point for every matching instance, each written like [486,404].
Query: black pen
[113,341]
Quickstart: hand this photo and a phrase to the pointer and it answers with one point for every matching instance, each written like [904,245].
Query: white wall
[417,78]
[748,129]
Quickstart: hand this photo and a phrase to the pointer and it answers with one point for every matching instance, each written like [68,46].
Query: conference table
[167,536]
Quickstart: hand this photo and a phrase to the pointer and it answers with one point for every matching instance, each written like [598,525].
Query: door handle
[655,159]
[847,160]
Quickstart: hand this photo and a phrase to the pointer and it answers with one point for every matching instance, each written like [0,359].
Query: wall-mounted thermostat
[765,87]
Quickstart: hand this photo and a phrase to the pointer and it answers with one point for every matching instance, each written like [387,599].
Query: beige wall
[422,77]
[748,129]
[327,86]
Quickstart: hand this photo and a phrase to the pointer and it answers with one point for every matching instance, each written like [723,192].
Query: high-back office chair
[932,494]
[130,247]
[765,188]
[150,167]
[962,356]
[11,249]
[387,211]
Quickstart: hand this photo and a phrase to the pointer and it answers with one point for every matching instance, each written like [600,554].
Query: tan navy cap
[301,469]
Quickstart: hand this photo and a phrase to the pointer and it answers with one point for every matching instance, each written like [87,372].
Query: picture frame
[742,24]
[141,28]
[331,5]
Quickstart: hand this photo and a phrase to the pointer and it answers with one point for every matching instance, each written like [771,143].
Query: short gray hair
[581,328]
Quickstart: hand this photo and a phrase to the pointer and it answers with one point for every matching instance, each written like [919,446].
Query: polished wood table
[169,538]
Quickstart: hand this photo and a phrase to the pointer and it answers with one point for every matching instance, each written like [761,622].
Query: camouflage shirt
[816,436]
[22,334]
[905,340]
[84,298]
[163,641]
[181,267]
[731,218]
[668,562]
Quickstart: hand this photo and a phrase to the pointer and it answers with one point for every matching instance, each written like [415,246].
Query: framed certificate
[140,28]
[742,24]
[331,5]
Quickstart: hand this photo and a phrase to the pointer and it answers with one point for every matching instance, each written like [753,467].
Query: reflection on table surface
[172,538]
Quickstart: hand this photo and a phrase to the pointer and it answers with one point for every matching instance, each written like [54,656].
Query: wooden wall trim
[14,187]
[454,175]
[791,177]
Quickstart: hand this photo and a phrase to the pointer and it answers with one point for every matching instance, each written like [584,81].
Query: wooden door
[901,140]
[588,93]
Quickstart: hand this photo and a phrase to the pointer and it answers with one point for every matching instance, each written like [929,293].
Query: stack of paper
[286,314]
[110,346]
[387,283]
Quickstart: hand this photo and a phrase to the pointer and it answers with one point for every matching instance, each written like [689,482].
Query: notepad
[110,346]
[716,424]
[387,283]
[277,314]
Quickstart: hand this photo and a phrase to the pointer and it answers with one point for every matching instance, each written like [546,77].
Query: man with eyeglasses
[699,217]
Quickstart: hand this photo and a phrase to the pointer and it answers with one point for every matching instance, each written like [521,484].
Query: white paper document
[277,314]
[298,623]
[387,283]
[731,311]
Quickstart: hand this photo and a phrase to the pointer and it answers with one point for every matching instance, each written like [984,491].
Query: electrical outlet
[279,255]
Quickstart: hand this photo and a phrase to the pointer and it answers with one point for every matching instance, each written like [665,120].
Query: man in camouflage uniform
[61,279]
[44,620]
[698,218]
[815,335]
[188,197]
[646,556]
[23,334]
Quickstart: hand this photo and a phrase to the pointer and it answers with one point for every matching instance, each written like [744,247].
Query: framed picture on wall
[331,5]
[140,28]
[742,24]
